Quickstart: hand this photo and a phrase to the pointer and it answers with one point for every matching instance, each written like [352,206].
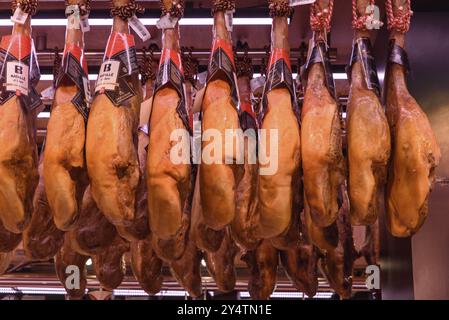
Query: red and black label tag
[171,74]
[247,116]
[319,53]
[19,71]
[74,67]
[279,76]
[119,67]
[362,51]
[222,62]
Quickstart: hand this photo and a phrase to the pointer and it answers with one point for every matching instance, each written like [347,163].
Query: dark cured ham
[64,161]
[18,155]
[169,182]
[263,264]
[41,239]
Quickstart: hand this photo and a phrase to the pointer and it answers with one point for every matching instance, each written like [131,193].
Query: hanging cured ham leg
[41,239]
[111,145]
[110,265]
[321,142]
[64,162]
[301,265]
[187,269]
[139,227]
[279,119]
[220,173]
[18,154]
[146,266]
[92,233]
[169,180]
[244,225]
[220,264]
[337,246]
[415,152]
[263,265]
[367,127]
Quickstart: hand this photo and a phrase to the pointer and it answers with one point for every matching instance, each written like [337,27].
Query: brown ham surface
[92,233]
[369,146]
[169,183]
[67,256]
[220,264]
[219,180]
[146,266]
[321,144]
[277,190]
[337,247]
[8,240]
[111,146]
[263,264]
[41,238]
[5,261]
[205,238]
[415,152]
[109,264]
[187,270]
[18,156]
[301,265]
[64,161]
[244,225]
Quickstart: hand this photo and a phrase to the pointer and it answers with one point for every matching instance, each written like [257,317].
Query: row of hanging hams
[106,186]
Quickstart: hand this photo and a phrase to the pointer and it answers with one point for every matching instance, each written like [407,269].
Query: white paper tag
[84,23]
[166,22]
[139,28]
[17,77]
[107,79]
[294,3]
[73,17]
[19,16]
[229,15]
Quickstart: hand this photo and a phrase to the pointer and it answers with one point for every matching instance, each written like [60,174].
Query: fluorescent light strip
[292,295]
[146,21]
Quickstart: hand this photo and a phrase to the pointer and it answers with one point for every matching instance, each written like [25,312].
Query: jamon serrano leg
[64,161]
[220,264]
[367,131]
[416,153]
[111,144]
[337,247]
[219,180]
[321,142]
[109,265]
[41,238]
[277,189]
[263,264]
[301,265]
[5,261]
[146,266]
[92,233]
[169,183]
[18,154]
[244,226]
